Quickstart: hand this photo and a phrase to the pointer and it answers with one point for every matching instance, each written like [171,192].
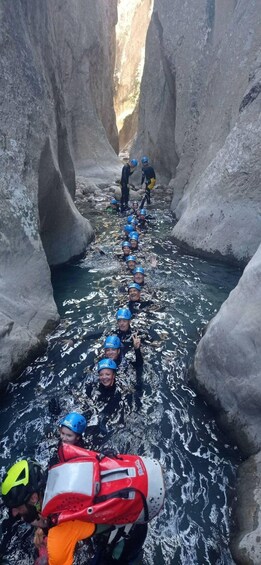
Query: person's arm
[138,356]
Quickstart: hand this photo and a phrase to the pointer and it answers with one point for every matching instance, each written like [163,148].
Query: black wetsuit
[148,173]
[125,175]
[135,307]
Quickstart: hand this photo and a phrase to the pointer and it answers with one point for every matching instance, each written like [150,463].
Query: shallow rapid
[170,422]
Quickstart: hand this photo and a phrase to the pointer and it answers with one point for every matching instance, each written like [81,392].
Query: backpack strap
[124,493]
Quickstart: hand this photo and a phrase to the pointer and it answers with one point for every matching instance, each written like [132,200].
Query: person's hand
[136,341]
[38,537]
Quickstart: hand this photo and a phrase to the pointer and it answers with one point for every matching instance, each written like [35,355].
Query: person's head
[22,488]
[133,163]
[134,240]
[135,205]
[107,370]
[145,160]
[123,318]
[138,275]
[114,203]
[112,346]
[131,262]
[143,214]
[126,248]
[71,428]
[134,291]
[127,229]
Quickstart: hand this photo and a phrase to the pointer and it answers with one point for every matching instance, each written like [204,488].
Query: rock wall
[228,359]
[131,30]
[199,120]
[228,372]
[56,117]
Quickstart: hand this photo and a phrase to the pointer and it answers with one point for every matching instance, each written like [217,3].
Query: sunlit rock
[131,30]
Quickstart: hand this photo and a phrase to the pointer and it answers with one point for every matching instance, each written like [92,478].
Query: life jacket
[101,489]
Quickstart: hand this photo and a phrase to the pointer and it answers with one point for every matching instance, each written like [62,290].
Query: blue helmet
[114,201]
[123,314]
[134,222]
[134,162]
[107,364]
[131,258]
[134,235]
[112,342]
[128,228]
[129,219]
[144,160]
[125,244]
[75,422]
[143,212]
[138,270]
[134,285]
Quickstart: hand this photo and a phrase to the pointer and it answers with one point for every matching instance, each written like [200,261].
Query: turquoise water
[170,422]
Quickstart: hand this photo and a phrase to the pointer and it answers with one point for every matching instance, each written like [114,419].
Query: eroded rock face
[228,372]
[131,30]
[56,116]
[228,359]
[246,547]
[199,120]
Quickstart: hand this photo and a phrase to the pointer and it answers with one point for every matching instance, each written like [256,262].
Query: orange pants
[63,538]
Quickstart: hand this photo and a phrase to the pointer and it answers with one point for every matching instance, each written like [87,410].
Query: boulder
[228,360]
[245,546]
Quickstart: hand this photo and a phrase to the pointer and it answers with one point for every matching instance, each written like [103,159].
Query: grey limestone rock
[228,359]
[246,547]
[228,372]
[56,118]
[199,120]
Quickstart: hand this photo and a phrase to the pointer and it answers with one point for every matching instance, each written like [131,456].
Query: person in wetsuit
[71,429]
[114,207]
[149,177]
[127,171]
[22,492]
[135,303]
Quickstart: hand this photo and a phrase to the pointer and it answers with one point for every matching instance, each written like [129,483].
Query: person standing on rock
[127,171]
[149,177]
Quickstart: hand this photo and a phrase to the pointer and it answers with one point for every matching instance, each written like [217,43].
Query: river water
[170,422]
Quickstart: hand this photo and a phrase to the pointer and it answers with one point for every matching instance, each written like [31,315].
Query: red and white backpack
[103,489]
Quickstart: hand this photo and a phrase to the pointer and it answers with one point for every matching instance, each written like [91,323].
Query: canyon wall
[131,30]
[199,120]
[56,81]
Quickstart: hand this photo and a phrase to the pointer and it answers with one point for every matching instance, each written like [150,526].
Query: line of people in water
[113,388]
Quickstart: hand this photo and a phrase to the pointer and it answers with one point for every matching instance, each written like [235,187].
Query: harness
[88,486]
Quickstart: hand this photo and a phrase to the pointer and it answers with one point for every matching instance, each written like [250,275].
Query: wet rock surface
[56,116]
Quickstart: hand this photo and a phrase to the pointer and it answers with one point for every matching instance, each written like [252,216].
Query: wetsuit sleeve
[138,363]
[63,538]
